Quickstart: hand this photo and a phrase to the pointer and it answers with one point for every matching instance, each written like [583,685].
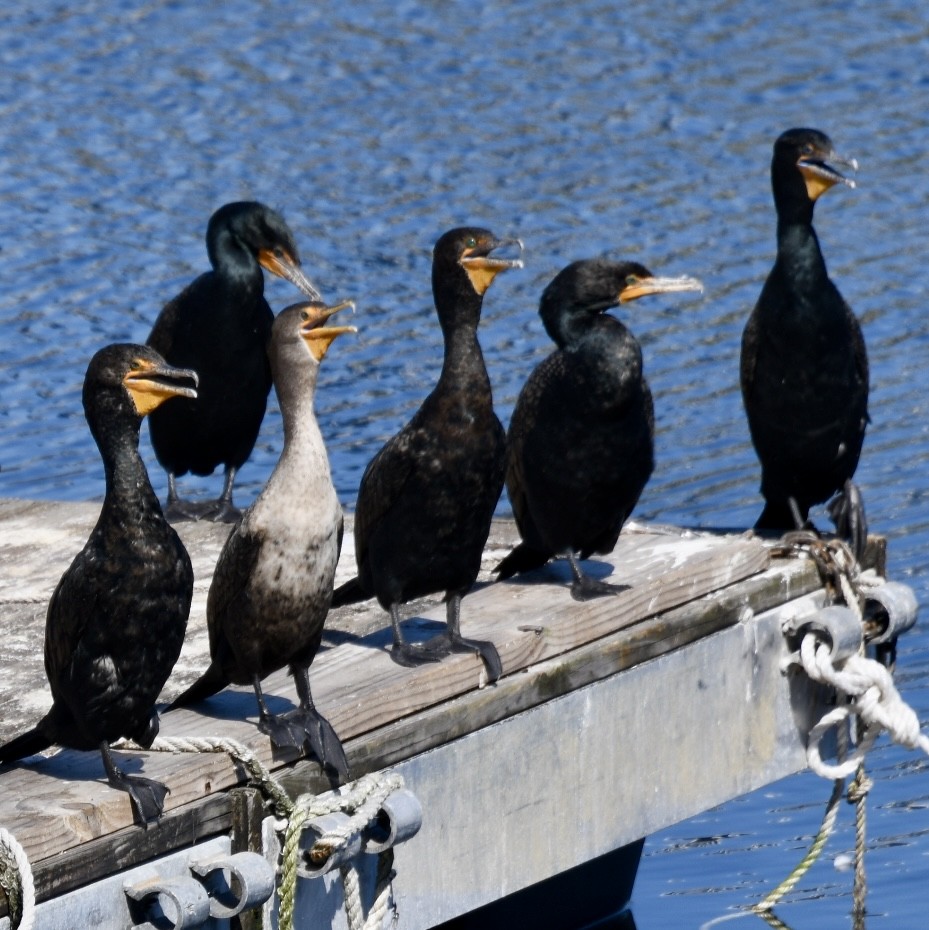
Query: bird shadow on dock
[230,704]
[557,573]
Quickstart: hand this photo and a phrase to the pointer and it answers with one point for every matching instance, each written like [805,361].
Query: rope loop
[17,882]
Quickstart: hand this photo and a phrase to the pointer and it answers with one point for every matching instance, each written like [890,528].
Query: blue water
[640,130]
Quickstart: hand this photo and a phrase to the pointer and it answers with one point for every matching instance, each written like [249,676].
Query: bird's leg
[586,588]
[281,733]
[177,510]
[147,796]
[451,640]
[402,652]
[846,510]
[320,738]
[799,522]
[222,510]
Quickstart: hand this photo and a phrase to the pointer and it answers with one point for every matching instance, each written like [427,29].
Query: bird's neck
[302,473]
[463,365]
[128,488]
[799,254]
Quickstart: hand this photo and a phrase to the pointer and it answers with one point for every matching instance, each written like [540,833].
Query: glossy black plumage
[582,433]
[116,621]
[427,498]
[220,325]
[804,366]
[273,581]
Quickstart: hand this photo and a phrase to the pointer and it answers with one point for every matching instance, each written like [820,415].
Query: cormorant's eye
[631,280]
[808,149]
[471,243]
[278,252]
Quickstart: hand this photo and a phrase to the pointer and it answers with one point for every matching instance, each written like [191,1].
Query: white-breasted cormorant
[804,366]
[219,325]
[427,498]
[273,581]
[116,621]
[581,436]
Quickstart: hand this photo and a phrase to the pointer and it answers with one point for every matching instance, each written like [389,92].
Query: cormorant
[273,581]
[804,367]
[116,621]
[219,325]
[581,435]
[427,498]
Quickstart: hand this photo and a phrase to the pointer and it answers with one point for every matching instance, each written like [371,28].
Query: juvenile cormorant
[581,435]
[804,367]
[273,581]
[219,325]
[427,498]
[116,621]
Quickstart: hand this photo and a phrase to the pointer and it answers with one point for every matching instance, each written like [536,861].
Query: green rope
[813,853]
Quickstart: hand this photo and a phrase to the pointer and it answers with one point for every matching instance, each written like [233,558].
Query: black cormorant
[427,498]
[116,621]
[581,435]
[273,581]
[804,367]
[219,325]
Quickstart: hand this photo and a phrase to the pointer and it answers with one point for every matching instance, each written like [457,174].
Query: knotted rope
[871,700]
[361,800]
[17,882]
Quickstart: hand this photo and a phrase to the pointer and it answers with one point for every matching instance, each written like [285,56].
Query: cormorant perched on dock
[581,436]
[219,325]
[273,581]
[427,498]
[116,621]
[804,367]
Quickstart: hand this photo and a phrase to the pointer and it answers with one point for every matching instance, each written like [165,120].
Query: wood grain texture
[682,586]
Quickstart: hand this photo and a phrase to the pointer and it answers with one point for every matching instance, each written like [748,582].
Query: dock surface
[685,588]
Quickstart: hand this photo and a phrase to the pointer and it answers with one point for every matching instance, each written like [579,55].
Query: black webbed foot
[586,588]
[180,511]
[146,795]
[319,740]
[448,642]
[281,732]
[846,510]
[221,511]
[410,655]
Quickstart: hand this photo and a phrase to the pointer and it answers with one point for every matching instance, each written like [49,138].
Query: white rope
[17,881]
[872,696]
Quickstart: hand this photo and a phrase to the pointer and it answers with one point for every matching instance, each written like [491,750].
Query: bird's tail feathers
[349,593]
[27,744]
[208,684]
[522,559]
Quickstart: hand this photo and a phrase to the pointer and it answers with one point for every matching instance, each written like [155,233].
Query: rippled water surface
[640,130]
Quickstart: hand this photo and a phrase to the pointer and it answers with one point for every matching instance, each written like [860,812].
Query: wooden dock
[613,719]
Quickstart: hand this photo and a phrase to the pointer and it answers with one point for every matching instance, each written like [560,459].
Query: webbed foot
[319,739]
[281,732]
[410,655]
[221,511]
[448,642]
[586,588]
[146,795]
[179,511]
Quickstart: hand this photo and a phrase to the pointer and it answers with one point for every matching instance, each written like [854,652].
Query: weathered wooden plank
[60,802]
